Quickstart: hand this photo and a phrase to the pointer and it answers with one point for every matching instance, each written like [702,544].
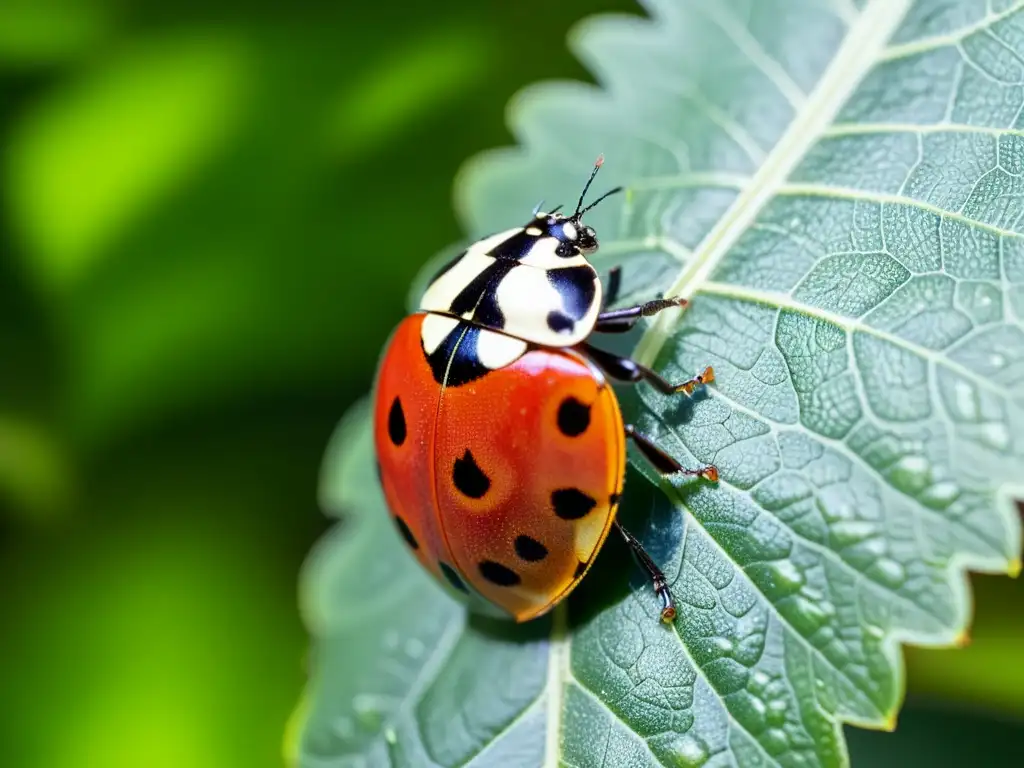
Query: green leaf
[410,83]
[96,157]
[835,187]
[43,33]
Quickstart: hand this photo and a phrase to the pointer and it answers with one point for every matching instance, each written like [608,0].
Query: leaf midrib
[856,56]
[859,52]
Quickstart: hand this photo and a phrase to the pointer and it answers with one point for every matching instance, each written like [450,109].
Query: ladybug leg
[622,320]
[658,581]
[664,463]
[611,295]
[630,371]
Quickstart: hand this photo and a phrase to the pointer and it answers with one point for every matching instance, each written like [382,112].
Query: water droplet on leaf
[996,435]
[689,752]
[889,572]
[966,400]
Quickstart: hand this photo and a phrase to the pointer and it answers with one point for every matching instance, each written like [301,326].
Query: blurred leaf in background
[211,216]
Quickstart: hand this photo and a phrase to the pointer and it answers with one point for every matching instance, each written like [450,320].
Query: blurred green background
[211,215]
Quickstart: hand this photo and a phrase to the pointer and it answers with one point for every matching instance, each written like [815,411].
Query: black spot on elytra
[559,322]
[396,423]
[453,577]
[572,503]
[469,478]
[580,568]
[530,549]
[496,573]
[406,533]
[573,417]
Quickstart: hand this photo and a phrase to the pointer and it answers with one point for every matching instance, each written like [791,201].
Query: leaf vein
[559,673]
[852,62]
[818,547]
[848,193]
[604,705]
[782,301]
[755,53]
[774,611]
[842,130]
[925,44]
[428,672]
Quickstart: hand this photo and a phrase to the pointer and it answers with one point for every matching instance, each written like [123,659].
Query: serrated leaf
[834,185]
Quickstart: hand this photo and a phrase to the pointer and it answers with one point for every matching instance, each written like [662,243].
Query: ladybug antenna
[602,197]
[579,205]
[597,167]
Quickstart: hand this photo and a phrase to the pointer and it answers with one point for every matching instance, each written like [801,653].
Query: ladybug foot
[709,473]
[706,377]
[664,463]
[668,607]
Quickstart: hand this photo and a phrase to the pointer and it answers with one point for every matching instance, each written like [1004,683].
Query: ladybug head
[574,237]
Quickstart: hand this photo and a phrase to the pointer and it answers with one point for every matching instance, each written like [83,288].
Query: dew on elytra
[997,360]
[874,632]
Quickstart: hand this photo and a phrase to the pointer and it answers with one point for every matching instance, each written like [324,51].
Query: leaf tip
[890,722]
[1013,569]
[963,639]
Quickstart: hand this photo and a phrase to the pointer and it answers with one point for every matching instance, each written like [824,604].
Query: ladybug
[500,445]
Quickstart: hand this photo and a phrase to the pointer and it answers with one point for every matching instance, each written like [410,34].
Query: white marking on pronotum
[435,329]
[496,350]
[525,298]
[441,293]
